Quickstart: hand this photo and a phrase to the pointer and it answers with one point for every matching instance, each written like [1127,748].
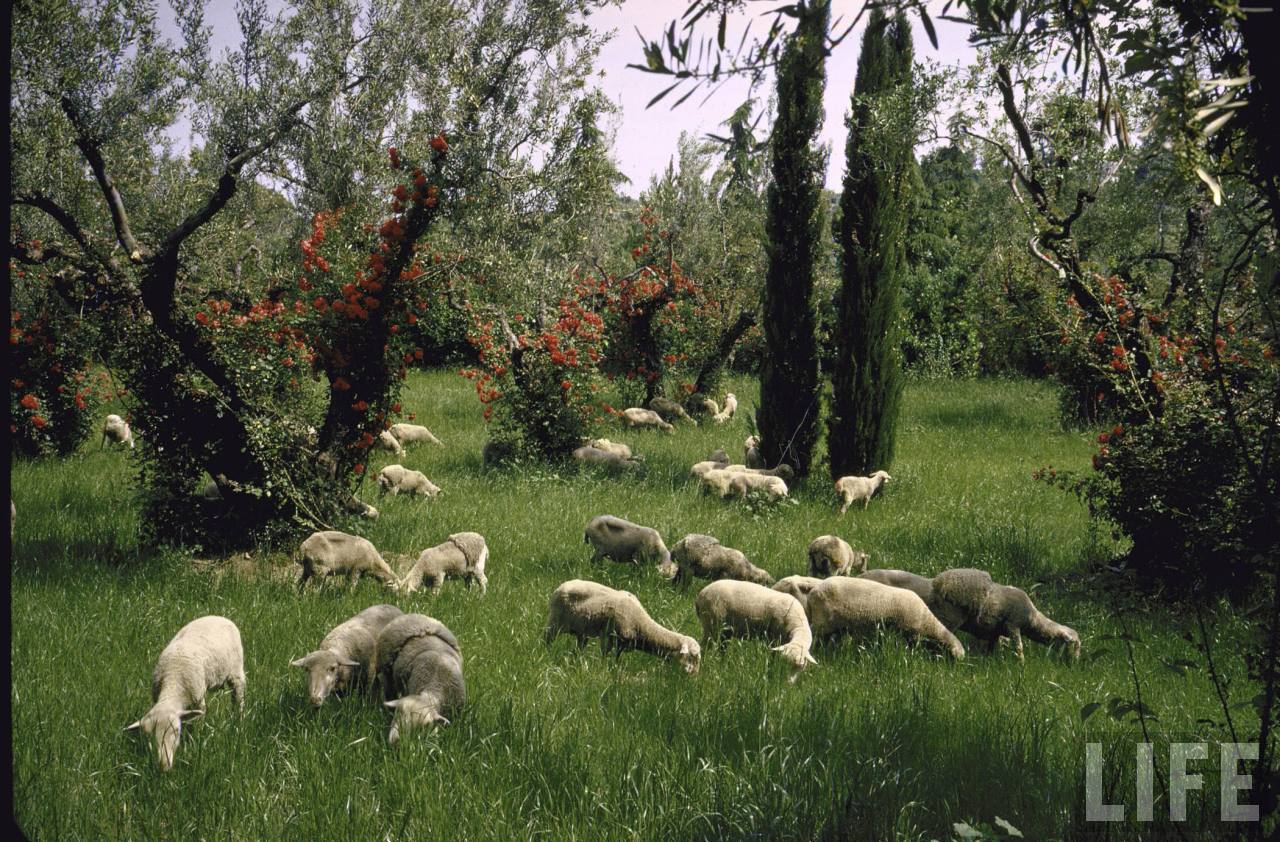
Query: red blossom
[38,420]
[29,401]
[358,468]
[439,144]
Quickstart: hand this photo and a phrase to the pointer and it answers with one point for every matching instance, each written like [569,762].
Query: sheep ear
[347,662]
[188,715]
[810,659]
[134,727]
[301,662]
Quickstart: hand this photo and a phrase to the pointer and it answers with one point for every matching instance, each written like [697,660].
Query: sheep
[783,470]
[345,658]
[797,586]
[621,540]
[845,605]
[919,585]
[751,452]
[719,456]
[709,406]
[830,555]
[413,434]
[860,488]
[730,407]
[116,429]
[705,557]
[595,456]
[636,417]
[335,553]
[971,602]
[462,556]
[204,655]
[588,609]
[419,665]
[744,609]
[716,480]
[386,441]
[700,469]
[669,410]
[612,447]
[740,485]
[398,478]
[359,507]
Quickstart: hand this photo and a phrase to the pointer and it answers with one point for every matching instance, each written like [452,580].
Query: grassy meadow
[876,742]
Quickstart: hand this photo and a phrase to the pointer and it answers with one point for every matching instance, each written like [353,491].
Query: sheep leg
[1016,636]
[482,581]
[303,576]
[237,690]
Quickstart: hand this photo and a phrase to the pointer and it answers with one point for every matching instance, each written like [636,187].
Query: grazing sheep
[413,434]
[913,582]
[845,605]
[797,586]
[204,655]
[719,456]
[359,507]
[785,471]
[710,407]
[830,555]
[700,469]
[669,410]
[740,485]
[851,489]
[463,556]
[716,480]
[398,478]
[636,417]
[751,452]
[730,407]
[419,665]
[705,557]
[621,540]
[588,609]
[335,553]
[613,447]
[386,441]
[595,456]
[116,429]
[346,655]
[744,609]
[970,601]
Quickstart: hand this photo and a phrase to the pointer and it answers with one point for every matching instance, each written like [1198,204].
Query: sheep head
[327,672]
[797,656]
[164,726]
[689,654]
[413,712]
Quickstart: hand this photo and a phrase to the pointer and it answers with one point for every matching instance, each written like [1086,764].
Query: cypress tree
[867,375]
[789,387]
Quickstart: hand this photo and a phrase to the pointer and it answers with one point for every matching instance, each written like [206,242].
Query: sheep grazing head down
[164,726]
[326,672]
[413,712]
[689,654]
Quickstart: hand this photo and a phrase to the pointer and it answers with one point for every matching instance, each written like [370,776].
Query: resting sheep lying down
[204,655]
[844,605]
[408,434]
[730,407]
[621,540]
[637,417]
[334,553]
[670,410]
[589,455]
[398,478]
[419,665]
[830,555]
[705,557]
[345,659]
[744,609]
[852,489]
[463,556]
[585,609]
[798,586]
[970,601]
[116,430]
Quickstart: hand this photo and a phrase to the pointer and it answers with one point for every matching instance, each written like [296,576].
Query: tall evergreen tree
[789,411]
[867,376]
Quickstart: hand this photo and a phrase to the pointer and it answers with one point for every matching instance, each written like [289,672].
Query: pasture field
[876,742]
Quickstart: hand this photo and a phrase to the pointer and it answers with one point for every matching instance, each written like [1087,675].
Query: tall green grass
[877,741]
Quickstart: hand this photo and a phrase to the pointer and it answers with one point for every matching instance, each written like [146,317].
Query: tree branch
[115,202]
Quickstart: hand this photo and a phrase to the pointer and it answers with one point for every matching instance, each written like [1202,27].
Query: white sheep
[919,585]
[419,664]
[705,557]
[386,441]
[637,417]
[830,555]
[346,655]
[730,407]
[408,434]
[774,488]
[969,600]
[621,540]
[589,455]
[462,556]
[845,605]
[751,453]
[398,478]
[116,429]
[730,608]
[618,448]
[204,655]
[797,586]
[783,470]
[588,609]
[710,407]
[700,469]
[852,489]
[669,410]
[333,553]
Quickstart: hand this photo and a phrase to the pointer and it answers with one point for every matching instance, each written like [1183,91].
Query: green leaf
[720,31]
[928,27]
[664,93]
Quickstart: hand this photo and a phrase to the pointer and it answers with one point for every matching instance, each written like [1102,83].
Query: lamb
[595,456]
[463,556]
[845,605]
[744,609]
[398,478]
[730,407]
[970,601]
[386,441]
[588,609]
[743,484]
[346,655]
[851,489]
[335,553]
[751,452]
[636,417]
[413,434]
[798,586]
[419,665]
[621,540]
[117,430]
[830,555]
[612,447]
[919,585]
[204,655]
[705,557]
[669,410]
